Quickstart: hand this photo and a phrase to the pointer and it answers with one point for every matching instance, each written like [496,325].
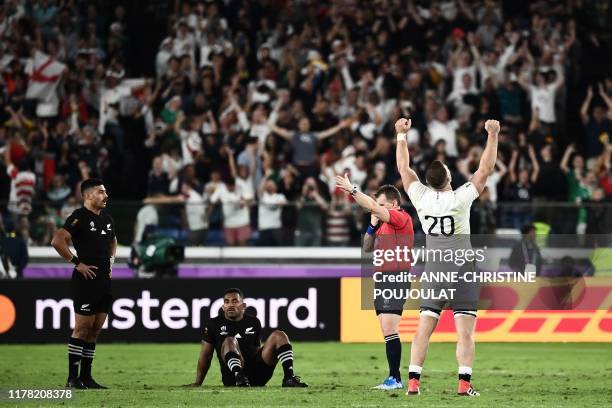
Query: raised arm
[366,202]
[333,130]
[524,82]
[503,169]
[606,98]
[560,77]
[214,128]
[164,199]
[512,165]
[534,162]
[565,159]
[231,161]
[284,133]
[402,157]
[489,156]
[178,123]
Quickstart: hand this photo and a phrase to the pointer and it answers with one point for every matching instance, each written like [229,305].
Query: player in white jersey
[444,214]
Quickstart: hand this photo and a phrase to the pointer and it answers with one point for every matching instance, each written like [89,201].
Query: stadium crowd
[248,109]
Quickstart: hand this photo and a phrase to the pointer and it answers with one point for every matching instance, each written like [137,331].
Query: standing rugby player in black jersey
[235,337]
[92,232]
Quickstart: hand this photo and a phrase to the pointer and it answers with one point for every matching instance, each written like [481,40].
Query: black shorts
[257,371]
[90,298]
[392,299]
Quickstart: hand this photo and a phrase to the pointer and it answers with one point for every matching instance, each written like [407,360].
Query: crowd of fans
[250,108]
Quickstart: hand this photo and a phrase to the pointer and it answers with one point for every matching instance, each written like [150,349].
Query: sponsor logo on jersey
[249,330]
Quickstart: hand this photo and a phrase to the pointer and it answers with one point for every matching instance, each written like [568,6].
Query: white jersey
[444,213]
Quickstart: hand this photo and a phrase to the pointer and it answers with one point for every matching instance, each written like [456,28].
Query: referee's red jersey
[398,231]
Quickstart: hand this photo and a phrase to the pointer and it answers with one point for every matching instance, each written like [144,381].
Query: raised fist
[492,126]
[403,125]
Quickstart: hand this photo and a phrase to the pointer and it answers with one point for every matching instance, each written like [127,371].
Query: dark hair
[90,183]
[436,174]
[25,164]
[527,229]
[234,290]
[390,192]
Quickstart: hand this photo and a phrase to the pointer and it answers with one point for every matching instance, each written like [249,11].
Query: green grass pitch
[339,375]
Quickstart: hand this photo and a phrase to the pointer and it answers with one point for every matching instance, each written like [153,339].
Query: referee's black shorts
[390,298]
[91,297]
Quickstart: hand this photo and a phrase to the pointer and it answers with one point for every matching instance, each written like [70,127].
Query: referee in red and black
[92,232]
[390,227]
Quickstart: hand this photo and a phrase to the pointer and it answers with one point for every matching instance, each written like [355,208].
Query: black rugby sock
[284,354]
[89,351]
[233,362]
[394,355]
[75,350]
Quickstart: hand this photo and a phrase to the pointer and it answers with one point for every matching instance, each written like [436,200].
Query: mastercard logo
[7,314]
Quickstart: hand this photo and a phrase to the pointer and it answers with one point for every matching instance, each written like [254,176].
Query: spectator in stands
[197,212]
[82,104]
[577,185]
[23,182]
[525,255]
[338,228]
[58,191]
[598,128]
[146,217]
[441,128]
[551,182]
[289,188]
[605,170]
[305,143]
[542,94]
[482,217]
[596,221]
[311,209]
[159,182]
[13,253]
[269,212]
[521,186]
[235,201]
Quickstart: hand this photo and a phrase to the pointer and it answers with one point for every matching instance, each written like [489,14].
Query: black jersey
[92,237]
[247,331]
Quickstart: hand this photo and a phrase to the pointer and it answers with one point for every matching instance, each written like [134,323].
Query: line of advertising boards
[324,309]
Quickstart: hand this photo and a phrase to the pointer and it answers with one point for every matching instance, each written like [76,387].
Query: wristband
[372,229]
[354,190]
[402,136]
[75,260]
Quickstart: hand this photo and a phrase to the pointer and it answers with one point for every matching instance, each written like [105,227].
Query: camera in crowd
[156,256]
